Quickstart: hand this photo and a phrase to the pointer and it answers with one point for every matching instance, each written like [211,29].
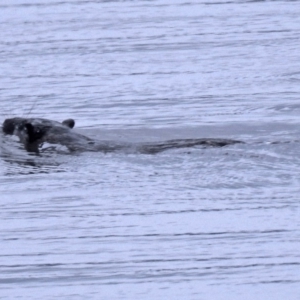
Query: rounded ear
[69,123]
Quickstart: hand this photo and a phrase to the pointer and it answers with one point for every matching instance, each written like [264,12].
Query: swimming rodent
[33,132]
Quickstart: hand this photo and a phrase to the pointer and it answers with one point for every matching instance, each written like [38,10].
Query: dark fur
[34,132]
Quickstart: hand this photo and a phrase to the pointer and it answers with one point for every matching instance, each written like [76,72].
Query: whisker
[32,106]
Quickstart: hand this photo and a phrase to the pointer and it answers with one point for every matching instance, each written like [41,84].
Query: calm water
[183,224]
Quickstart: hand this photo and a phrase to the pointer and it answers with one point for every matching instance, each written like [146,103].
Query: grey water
[196,223]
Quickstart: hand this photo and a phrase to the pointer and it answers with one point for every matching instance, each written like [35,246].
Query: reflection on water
[184,223]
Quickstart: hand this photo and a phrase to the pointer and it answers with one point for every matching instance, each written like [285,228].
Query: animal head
[32,130]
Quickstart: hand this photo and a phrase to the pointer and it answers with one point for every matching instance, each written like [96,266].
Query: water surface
[189,223]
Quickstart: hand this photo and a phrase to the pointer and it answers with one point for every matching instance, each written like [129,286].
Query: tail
[185,143]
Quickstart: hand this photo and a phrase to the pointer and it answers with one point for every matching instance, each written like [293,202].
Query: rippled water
[217,223]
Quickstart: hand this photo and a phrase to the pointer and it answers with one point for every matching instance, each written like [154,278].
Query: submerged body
[34,132]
